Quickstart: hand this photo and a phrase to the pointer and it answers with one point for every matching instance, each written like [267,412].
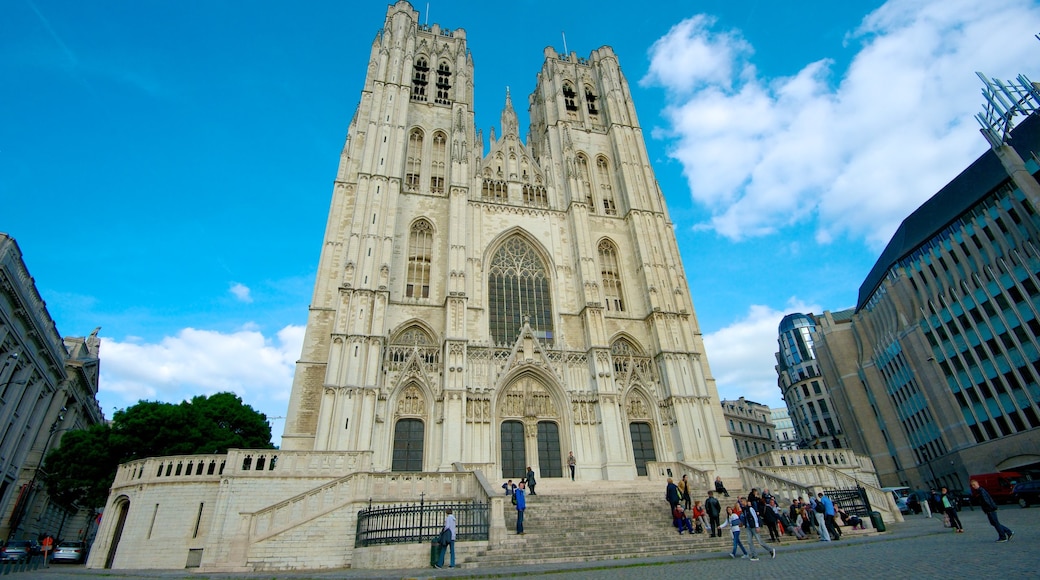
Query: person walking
[571,463]
[989,507]
[530,479]
[733,522]
[713,509]
[828,517]
[951,511]
[819,511]
[753,523]
[521,505]
[449,526]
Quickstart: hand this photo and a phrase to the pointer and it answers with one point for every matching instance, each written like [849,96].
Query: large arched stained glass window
[518,287]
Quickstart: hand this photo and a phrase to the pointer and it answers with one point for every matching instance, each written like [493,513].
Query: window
[611,273]
[568,97]
[590,100]
[606,191]
[420,256]
[518,290]
[438,162]
[419,79]
[413,161]
[443,84]
[585,181]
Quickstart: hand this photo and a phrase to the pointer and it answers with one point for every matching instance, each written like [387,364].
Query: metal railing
[421,522]
[852,501]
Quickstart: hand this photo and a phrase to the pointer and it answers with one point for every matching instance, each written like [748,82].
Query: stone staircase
[571,522]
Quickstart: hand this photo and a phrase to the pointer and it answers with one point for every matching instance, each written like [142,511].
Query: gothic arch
[496,244]
[553,389]
[411,399]
[416,323]
[532,418]
[639,405]
[519,290]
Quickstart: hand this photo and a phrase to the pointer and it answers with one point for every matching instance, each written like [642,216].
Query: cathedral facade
[474,313]
[505,307]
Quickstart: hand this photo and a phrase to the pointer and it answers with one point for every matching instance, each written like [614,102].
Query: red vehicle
[1000,485]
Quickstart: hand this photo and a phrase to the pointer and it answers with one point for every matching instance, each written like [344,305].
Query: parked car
[1027,493]
[16,551]
[999,485]
[72,552]
[900,495]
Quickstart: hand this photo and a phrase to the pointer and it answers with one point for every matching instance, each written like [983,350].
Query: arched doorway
[122,508]
[530,429]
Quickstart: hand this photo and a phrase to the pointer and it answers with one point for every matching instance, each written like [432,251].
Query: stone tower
[501,309]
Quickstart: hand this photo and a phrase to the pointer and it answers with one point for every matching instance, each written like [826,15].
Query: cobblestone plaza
[919,548]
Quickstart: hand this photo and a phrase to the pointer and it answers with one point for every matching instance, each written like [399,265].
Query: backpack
[513,496]
[819,508]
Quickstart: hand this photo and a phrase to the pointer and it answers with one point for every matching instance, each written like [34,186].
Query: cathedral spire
[509,122]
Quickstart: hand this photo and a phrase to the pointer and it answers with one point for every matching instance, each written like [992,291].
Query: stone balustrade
[272,463]
[662,470]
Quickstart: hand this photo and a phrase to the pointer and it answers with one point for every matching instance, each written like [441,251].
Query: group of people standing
[750,513]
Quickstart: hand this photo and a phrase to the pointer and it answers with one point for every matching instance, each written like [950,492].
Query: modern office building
[937,372]
[48,387]
[750,425]
[805,391]
[784,435]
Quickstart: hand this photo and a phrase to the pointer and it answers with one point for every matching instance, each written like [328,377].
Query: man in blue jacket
[521,505]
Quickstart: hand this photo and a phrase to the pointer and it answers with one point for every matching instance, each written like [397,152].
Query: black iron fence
[852,500]
[420,522]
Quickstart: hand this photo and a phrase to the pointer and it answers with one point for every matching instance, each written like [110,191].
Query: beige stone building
[480,307]
[48,387]
[750,425]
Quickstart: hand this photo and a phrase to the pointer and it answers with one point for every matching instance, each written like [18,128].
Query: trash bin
[435,551]
[877,522]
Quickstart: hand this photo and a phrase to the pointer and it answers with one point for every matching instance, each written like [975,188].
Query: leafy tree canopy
[82,469]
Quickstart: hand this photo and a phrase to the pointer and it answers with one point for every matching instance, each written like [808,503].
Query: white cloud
[203,362]
[241,292]
[857,155]
[742,354]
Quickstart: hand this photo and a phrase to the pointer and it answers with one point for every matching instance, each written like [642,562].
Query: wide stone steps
[568,523]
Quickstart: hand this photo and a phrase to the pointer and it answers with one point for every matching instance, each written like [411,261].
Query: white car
[69,552]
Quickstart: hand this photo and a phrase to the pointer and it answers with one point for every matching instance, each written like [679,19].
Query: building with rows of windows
[480,306]
[936,372]
[804,389]
[784,435]
[48,387]
[750,425]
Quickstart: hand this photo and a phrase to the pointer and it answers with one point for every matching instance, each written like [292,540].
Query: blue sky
[166,166]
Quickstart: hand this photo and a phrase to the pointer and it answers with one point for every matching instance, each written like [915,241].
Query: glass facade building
[804,389]
[939,366]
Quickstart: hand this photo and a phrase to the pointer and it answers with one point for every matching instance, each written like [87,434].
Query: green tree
[83,467]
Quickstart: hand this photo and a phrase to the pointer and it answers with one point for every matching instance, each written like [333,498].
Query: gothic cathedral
[501,309]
